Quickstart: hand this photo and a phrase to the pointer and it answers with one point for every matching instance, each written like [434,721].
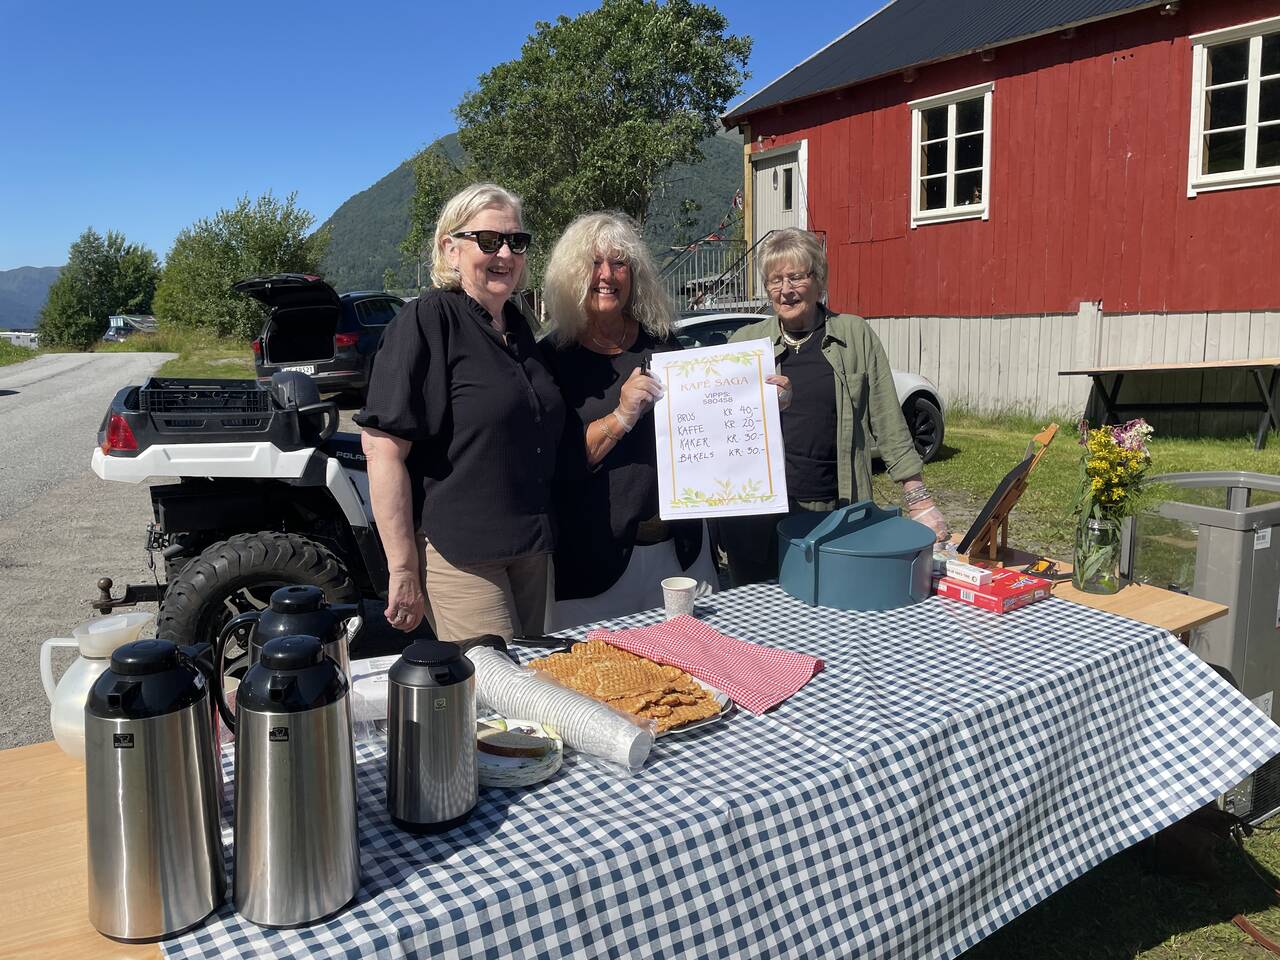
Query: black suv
[312,330]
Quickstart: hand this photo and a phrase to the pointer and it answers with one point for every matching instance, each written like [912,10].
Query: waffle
[666,695]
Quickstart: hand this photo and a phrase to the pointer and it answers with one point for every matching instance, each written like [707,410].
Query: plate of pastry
[676,702]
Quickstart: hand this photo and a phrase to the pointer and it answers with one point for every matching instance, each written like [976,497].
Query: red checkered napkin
[756,677]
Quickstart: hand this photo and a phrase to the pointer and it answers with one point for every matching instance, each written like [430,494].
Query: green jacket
[868,414]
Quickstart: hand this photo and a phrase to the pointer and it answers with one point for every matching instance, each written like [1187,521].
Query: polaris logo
[348,455]
[122,741]
[278,735]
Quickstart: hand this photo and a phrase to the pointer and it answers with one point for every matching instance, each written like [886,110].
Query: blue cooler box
[859,557]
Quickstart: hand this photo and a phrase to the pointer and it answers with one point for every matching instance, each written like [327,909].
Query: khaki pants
[505,597]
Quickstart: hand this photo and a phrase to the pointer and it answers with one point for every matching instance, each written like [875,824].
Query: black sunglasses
[491,241]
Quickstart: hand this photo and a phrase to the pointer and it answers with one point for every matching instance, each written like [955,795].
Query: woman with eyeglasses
[609,314]
[844,401]
[461,426]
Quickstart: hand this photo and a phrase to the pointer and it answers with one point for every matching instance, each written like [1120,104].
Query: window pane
[934,156]
[969,151]
[968,188]
[1271,54]
[933,193]
[1269,102]
[1269,146]
[1227,62]
[933,123]
[787,186]
[969,114]
[1223,152]
[1224,108]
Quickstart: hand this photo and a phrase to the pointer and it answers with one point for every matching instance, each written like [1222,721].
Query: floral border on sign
[723,495]
[708,364]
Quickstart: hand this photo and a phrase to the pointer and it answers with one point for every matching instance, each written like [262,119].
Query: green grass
[11,354]
[1143,904]
[200,354]
[979,451]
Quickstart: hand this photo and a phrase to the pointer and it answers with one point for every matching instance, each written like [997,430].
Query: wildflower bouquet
[1112,466]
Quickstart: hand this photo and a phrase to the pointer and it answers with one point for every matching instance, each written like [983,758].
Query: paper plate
[498,771]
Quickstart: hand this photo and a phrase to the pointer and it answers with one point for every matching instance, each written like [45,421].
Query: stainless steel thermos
[152,795]
[297,856]
[432,779]
[292,612]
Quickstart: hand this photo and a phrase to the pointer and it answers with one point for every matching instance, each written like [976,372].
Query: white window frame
[970,211]
[1251,175]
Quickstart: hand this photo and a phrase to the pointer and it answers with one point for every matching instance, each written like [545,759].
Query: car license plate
[302,368]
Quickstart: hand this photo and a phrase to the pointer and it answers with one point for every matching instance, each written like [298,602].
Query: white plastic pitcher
[96,640]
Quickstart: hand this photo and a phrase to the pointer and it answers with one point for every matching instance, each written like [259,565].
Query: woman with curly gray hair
[609,314]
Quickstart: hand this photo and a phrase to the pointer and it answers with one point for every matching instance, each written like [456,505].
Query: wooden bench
[1266,389]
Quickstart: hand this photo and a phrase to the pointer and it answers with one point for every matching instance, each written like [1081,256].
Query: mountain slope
[367,228]
[23,292]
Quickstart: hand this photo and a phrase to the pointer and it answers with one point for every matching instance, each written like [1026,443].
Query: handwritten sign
[719,436]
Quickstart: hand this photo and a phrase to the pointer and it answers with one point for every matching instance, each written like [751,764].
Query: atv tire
[239,574]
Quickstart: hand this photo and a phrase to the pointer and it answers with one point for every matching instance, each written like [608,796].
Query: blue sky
[142,117]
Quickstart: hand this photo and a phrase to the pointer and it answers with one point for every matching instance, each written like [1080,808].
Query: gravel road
[61,528]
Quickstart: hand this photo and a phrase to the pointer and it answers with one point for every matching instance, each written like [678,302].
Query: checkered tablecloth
[948,769]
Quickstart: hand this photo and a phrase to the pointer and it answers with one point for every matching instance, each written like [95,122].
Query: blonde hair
[568,276]
[456,214]
[800,247]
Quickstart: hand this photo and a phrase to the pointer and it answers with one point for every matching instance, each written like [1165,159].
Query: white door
[777,193]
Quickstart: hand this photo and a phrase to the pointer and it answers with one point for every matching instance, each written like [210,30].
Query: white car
[921,403]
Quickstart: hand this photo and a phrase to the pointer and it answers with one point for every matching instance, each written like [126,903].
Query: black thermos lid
[292,674]
[297,599]
[431,663]
[147,678]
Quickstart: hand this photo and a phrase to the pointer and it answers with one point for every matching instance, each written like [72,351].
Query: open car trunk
[300,335]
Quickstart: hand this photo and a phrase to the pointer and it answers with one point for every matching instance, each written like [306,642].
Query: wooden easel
[993,536]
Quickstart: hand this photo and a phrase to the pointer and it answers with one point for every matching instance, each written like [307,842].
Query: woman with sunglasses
[461,427]
[609,313]
[844,397]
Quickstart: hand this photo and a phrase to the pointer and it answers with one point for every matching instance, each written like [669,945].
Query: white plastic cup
[680,593]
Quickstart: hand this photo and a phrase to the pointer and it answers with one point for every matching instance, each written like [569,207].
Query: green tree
[103,275]
[593,113]
[209,257]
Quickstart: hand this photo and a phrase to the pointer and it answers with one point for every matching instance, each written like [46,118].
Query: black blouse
[600,510]
[485,418]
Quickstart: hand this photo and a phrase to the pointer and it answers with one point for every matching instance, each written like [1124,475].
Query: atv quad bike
[267,494]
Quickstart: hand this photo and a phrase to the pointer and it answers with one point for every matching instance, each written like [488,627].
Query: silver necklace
[793,342]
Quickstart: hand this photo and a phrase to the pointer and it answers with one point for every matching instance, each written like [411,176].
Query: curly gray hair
[794,247]
[456,214]
[568,276]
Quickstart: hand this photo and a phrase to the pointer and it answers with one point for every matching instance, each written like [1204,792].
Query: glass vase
[1097,559]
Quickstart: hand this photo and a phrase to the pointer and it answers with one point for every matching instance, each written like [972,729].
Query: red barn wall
[1088,197]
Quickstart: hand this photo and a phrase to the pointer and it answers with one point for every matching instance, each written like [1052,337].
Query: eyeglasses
[797,280]
[491,241]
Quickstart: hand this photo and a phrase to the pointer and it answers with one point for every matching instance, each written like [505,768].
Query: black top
[600,510]
[431,663]
[485,419]
[809,424]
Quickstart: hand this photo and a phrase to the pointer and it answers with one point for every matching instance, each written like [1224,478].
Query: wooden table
[1266,390]
[44,912]
[1179,613]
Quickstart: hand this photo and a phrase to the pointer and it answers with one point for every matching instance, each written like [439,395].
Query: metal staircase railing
[714,274]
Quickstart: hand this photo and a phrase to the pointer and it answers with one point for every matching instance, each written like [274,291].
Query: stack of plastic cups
[584,724]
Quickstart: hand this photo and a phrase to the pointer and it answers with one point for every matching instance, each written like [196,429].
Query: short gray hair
[800,247]
[568,276]
[457,213]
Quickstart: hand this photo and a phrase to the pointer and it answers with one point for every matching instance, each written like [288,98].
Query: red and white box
[1008,590]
